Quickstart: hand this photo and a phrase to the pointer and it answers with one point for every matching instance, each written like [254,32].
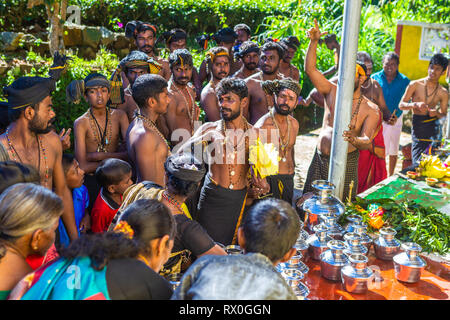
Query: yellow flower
[124,227]
[264,158]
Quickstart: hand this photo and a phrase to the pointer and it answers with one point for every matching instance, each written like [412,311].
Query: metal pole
[344,95]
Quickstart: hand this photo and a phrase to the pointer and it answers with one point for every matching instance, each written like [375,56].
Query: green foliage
[195,16]
[425,226]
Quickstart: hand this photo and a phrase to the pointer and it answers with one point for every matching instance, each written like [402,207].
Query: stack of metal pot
[332,260]
[386,246]
[409,265]
[293,272]
[321,203]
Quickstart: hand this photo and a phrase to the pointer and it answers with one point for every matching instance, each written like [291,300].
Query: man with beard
[146,145]
[29,138]
[428,101]
[259,101]
[177,39]
[249,55]
[100,131]
[219,67]
[372,162]
[365,116]
[144,35]
[282,129]
[286,67]
[224,192]
[133,65]
[182,111]
[226,38]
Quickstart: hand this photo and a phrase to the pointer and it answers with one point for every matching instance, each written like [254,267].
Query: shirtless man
[286,66]
[29,138]
[223,195]
[219,65]
[285,129]
[333,45]
[146,145]
[100,131]
[182,111]
[249,55]
[362,125]
[177,39]
[225,37]
[259,101]
[144,35]
[428,101]
[133,65]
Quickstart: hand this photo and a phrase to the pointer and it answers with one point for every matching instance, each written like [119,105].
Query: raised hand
[64,136]
[314,33]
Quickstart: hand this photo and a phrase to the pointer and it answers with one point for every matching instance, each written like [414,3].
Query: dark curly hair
[270,45]
[179,55]
[234,85]
[149,220]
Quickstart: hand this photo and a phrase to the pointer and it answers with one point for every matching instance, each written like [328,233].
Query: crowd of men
[149,111]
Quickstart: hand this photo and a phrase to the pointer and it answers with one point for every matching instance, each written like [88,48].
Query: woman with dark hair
[118,265]
[29,216]
[183,176]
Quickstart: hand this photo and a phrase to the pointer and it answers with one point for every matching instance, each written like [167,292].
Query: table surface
[434,283]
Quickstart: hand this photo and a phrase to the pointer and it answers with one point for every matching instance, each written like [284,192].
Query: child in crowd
[114,177]
[74,179]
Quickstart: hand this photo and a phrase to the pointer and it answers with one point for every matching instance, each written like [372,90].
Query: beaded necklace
[355,113]
[283,145]
[191,111]
[231,171]
[152,126]
[16,157]
[101,138]
[175,203]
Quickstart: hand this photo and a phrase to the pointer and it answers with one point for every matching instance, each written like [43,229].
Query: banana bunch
[433,167]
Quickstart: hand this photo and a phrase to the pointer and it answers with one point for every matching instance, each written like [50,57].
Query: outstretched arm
[319,81]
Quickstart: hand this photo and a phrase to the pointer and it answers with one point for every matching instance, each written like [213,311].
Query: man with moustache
[29,138]
[249,55]
[361,127]
[100,131]
[286,66]
[177,39]
[225,146]
[282,129]
[182,111]
[144,35]
[259,101]
[428,101]
[133,65]
[226,38]
[146,145]
[219,68]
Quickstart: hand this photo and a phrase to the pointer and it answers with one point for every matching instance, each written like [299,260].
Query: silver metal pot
[302,247]
[409,265]
[318,241]
[360,229]
[322,202]
[353,244]
[297,263]
[351,220]
[335,231]
[356,275]
[386,246]
[233,249]
[332,261]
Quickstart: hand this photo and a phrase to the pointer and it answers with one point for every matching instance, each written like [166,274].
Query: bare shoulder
[265,120]
[371,108]
[443,91]
[294,121]
[53,139]
[119,113]
[81,122]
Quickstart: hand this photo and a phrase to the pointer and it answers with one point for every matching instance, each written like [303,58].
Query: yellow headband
[213,56]
[359,71]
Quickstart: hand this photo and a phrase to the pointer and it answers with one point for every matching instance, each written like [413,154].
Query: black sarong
[282,186]
[318,170]
[219,210]
[424,135]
